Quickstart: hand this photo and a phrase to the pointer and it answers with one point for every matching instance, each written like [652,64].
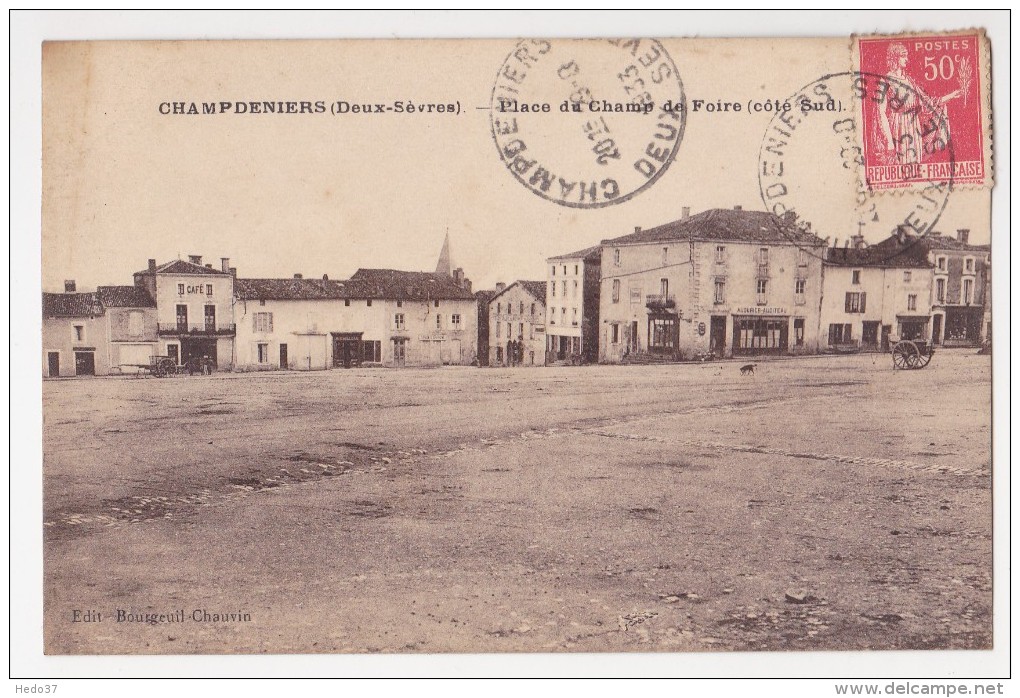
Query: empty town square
[818,503]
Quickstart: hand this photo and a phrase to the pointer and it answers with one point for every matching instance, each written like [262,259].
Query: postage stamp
[588,124]
[928,97]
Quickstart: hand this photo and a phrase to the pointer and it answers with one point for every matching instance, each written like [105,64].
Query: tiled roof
[889,253]
[486,295]
[408,285]
[587,253]
[179,266]
[71,305]
[292,289]
[125,297]
[536,288]
[380,284]
[944,242]
[725,224]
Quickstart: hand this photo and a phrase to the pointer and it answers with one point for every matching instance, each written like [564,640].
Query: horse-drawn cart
[911,354]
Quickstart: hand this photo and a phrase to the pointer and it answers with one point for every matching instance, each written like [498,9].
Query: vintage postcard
[517,345]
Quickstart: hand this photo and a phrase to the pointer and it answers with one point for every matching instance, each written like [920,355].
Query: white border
[28,29]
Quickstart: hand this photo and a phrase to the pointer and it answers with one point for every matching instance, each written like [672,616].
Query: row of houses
[729,282]
[724,282]
[201,315]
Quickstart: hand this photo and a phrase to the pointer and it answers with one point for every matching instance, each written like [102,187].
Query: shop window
[371,351]
[840,333]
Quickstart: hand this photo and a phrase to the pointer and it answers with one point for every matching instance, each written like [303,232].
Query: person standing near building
[509,352]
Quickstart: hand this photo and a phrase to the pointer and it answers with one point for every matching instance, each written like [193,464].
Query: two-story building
[960,302]
[518,314]
[132,326]
[875,295]
[377,317]
[194,309]
[572,301]
[74,334]
[724,282]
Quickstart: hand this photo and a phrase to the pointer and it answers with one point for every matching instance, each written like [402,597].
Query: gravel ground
[826,503]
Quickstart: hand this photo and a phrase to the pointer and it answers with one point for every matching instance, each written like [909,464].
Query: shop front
[760,330]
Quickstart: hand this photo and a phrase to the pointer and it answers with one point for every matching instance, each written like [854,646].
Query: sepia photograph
[674,345]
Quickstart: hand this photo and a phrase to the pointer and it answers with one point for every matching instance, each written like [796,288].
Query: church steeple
[445,265]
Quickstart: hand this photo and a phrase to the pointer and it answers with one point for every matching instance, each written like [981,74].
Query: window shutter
[254,322]
[864,300]
[270,321]
[846,307]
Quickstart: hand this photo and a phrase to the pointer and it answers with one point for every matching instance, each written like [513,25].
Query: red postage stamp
[924,109]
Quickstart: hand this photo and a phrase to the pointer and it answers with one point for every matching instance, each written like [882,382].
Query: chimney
[298,276]
[738,208]
[225,264]
[152,265]
[467,285]
[846,245]
[195,259]
[858,241]
[901,234]
[685,212]
[500,287]
[835,242]
[70,286]
[637,228]
[458,276]
[963,235]
[233,272]
[325,277]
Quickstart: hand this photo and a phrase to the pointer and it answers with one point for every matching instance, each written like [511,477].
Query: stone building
[572,322]
[518,314]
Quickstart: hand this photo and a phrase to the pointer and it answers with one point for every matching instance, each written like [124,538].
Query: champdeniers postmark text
[588,124]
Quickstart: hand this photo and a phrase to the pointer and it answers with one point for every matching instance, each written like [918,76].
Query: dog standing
[747,370]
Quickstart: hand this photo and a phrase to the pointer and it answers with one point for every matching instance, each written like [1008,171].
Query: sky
[325,194]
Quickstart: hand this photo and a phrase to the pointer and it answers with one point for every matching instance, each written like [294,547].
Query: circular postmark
[811,159]
[588,123]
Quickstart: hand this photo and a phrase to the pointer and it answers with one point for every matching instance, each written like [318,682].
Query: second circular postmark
[813,151]
[588,123]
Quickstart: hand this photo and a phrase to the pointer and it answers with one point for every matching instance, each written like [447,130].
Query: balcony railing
[195,328]
[660,301]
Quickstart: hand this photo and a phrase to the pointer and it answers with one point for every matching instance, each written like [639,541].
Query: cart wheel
[905,355]
[923,360]
[165,368]
[158,371]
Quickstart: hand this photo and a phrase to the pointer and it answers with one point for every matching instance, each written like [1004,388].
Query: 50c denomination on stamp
[588,123]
